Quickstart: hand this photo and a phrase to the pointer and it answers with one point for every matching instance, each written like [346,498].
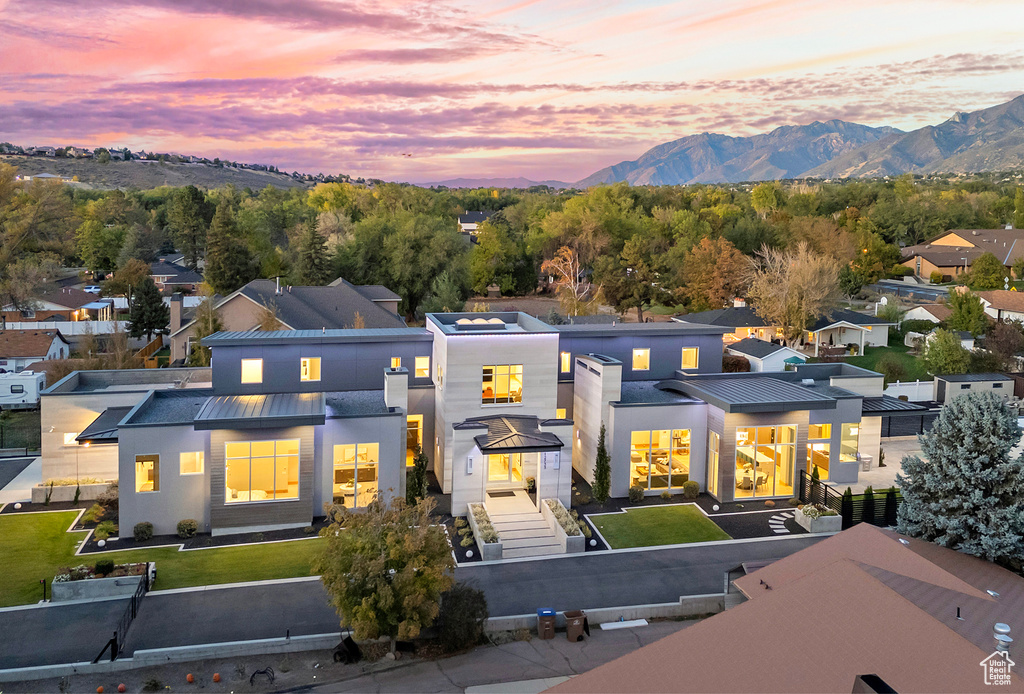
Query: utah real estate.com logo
[997,669]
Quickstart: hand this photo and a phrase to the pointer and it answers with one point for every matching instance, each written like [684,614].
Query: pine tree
[207,323]
[314,261]
[229,263]
[602,470]
[416,481]
[965,491]
[148,314]
[186,218]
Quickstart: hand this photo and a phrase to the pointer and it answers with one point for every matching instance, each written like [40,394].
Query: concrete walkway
[884,477]
[20,488]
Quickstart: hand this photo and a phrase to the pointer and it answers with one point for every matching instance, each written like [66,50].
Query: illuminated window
[502,383]
[641,360]
[422,367]
[69,438]
[413,437]
[191,463]
[566,358]
[819,449]
[690,355]
[849,443]
[659,459]
[147,473]
[355,474]
[310,369]
[396,362]
[765,458]
[560,413]
[252,371]
[261,470]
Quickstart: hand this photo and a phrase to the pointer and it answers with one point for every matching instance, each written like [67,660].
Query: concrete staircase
[523,534]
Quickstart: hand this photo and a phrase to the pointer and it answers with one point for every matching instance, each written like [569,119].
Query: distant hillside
[785,152]
[139,174]
[518,182]
[991,139]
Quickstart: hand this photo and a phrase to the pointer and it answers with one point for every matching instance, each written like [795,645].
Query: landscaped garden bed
[102,580]
[483,531]
[654,526]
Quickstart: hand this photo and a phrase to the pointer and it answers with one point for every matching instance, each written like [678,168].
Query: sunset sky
[547,89]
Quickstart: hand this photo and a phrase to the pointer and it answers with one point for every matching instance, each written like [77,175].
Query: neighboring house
[54,303]
[904,615]
[952,253]
[168,276]
[965,337]
[743,320]
[298,308]
[1003,304]
[935,313]
[46,177]
[306,417]
[765,356]
[946,388]
[19,348]
[469,222]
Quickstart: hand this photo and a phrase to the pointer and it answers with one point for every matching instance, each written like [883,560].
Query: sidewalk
[20,487]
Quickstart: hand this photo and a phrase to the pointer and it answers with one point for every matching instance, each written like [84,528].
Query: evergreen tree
[314,261]
[229,263]
[965,491]
[602,470]
[207,323]
[148,314]
[445,295]
[416,481]
[186,217]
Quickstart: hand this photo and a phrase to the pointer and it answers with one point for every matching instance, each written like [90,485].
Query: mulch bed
[27,507]
[206,540]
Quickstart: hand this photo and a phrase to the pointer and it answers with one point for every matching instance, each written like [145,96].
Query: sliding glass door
[765,458]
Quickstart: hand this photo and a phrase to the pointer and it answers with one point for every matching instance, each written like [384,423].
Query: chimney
[1002,636]
[396,387]
[739,303]
[277,285]
[177,301]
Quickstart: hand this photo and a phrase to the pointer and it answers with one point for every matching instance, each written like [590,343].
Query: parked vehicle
[93,289]
[20,391]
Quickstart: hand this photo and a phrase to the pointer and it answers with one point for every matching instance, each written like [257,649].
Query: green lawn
[36,546]
[20,429]
[659,310]
[657,525]
[912,365]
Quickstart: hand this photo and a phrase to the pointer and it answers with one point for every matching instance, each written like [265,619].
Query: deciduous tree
[967,313]
[943,354]
[570,283]
[714,273]
[987,272]
[126,278]
[207,323]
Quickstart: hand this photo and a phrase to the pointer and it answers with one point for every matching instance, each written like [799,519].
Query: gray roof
[512,434]
[475,217]
[238,337]
[171,407]
[356,403]
[964,378]
[316,308]
[644,392]
[662,328]
[260,411]
[758,394]
[731,317]
[887,403]
[842,315]
[374,292]
[753,347]
[103,429]
[176,274]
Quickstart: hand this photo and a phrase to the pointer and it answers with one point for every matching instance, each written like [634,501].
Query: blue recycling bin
[546,623]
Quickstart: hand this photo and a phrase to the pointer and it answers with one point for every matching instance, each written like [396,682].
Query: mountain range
[517,182]
[991,139]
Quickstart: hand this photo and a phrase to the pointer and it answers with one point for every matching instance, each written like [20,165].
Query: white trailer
[20,391]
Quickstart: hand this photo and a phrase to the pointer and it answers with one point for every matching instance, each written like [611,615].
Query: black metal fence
[879,508]
[116,643]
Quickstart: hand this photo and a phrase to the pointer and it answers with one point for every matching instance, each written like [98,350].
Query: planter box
[822,524]
[91,588]
[571,544]
[67,493]
[490,551]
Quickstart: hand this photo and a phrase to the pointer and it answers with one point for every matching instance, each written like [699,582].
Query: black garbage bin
[546,623]
[576,625]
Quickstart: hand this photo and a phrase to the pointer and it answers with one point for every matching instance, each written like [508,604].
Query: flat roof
[170,407]
[356,403]
[647,392]
[488,322]
[668,327]
[260,411]
[131,380]
[338,335]
[964,378]
[757,394]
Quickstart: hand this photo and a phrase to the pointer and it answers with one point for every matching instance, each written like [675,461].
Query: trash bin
[576,625]
[546,623]
[865,463]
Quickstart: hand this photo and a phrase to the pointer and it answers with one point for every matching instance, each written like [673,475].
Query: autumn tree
[714,273]
[229,263]
[126,278]
[385,569]
[570,283]
[789,289]
[268,320]
[1005,340]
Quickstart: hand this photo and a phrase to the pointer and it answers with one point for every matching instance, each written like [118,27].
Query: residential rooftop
[648,392]
[973,378]
[131,380]
[356,403]
[169,407]
[322,336]
[489,322]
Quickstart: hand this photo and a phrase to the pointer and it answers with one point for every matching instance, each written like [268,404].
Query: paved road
[73,633]
[11,468]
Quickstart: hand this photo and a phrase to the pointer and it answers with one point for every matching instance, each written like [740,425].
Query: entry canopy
[261,411]
[513,434]
[103,429]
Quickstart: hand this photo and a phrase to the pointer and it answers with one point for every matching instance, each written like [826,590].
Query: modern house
[1003,304]
[952,253]
[19,348]
[880,612]
[171,277]
[765,356]
[292,419]
[339,305]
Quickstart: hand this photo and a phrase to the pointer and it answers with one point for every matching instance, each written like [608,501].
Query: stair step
[530,552]
[535,541]
[518,534]
[520,525]
[513,516]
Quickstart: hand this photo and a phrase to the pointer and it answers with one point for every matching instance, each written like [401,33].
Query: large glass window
[849,442]
[147,473]
[566,361]
[422,367]
[505,467]
[641,360]
[310,369]
[413,437]
[764,461]
[659,459]
[191,463]
[690,356]
[252,371]
[356,467]
[502,383]
[819,449]
[714,445]
[261,470]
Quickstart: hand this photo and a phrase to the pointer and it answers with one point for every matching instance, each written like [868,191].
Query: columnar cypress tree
[602,470]
[967,492]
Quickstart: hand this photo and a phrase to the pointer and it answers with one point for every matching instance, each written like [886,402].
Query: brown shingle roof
[1005,244]
[1005,300]
[27,343]
[68,297]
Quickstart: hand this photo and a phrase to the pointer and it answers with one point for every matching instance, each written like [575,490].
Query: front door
[505,469]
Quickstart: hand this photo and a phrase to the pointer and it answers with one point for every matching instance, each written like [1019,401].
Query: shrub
[142,531]
[78,494]
[105,529]
[93,514]
[562,516]
[636,495]
[49,493]
[460,620]
[602,470]
[813,511]
[488,534]
[108,499]
[464,531]
[890,366]
[734,363]
[793,502]
[71,481]
[769,504]
[935,277]
[531,484]
[461,522]
[467,541]
[690,489]
[309,530]
[104,566]
[666,495]
[187,528]
[583,498]
[585,529]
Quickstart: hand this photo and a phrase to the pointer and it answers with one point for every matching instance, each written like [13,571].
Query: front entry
[504,470]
